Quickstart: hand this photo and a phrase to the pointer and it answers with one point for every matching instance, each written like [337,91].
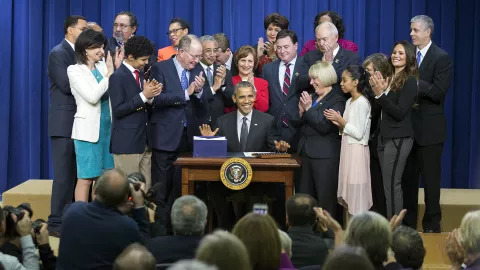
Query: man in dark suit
[429,124]
[218,85]
[326,34]
[308,246]
[189,217]
[175,118]
[246,130]
[225,54]
[101,222]
[283,94]
[130,104]
[60,121]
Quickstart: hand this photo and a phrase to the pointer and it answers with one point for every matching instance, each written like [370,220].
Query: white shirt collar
[425,49]
[132,69]
[336,50]
[292,63]
[240,116]
[228,64]
[71,44]
[205,66]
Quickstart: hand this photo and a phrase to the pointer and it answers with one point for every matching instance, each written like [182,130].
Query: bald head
[94,26]
[112,188]
[135,256]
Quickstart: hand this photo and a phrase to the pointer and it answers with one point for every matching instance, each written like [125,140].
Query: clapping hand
[396,220]
[206,130]
[455,251]
[260,47]
[151,88]
[378,83]
[333,116]
[109,63]
[281,146]
[197,84]
[306,100]
[219,79]
[119,55]
[301,110]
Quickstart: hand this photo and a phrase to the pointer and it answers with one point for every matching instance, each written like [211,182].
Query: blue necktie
[419,58]
[184,80]
[209,76]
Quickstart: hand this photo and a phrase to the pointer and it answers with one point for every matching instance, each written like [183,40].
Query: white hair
[189,215]
[330,26]
[426,22]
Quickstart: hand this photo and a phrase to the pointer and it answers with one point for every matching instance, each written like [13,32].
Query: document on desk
[209,138]
[250,154]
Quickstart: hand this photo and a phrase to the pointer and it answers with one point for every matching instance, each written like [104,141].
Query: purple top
[285,263]
[346,44]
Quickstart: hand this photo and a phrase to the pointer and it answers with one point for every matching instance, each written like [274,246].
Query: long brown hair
[410,69]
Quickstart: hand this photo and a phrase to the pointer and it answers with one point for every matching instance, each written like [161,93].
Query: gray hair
[470,232]
[330,26]
[186,41]
[208,38]
[191,265]
[426,21]
[286,242]
[189,215]
[244,84]
[135,256]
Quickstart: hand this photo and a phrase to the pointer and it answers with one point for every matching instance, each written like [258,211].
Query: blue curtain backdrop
[32,28]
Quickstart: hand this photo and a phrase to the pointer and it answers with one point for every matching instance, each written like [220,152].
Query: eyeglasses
[210,51]
[194,56]
[122,26]
[174,31]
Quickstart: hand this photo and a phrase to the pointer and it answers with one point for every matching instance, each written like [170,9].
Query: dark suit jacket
[172,248]
[112,44]
[318,135]
[435,76]
[308,248]
[221,98]
[170,109]
[278,107]
[397,107]
[87,223]
[342,60]
[129,113]
[261,134]
[62,103]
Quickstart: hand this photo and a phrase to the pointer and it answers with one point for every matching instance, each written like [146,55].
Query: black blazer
[217,102]
[342,60]
[308,248]
[62,103]
[318,135]
[170,109]
[261,134]
[395,121]
[172,248]
[129,113]
[435,73]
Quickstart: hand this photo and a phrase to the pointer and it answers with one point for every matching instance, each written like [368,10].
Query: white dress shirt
[281,71]
[240,122]
[423,52]
[358,126]
[132,70]
[71,44]
[228,64]
[179,72]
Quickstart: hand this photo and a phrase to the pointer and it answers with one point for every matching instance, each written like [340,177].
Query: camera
[37,225]
[136,179]
[10,224]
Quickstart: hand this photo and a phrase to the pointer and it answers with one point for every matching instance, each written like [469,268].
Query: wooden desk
[264,170]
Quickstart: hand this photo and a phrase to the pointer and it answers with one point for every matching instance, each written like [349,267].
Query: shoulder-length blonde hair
[323,71]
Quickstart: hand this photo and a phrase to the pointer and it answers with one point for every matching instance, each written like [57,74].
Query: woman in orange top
[246,60]
[177,29]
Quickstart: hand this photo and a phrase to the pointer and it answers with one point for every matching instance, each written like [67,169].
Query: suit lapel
[69,50]
[233,132]
[174,74]
[252,132]
[276,72]
[337,60]
[130,78]
[428,58]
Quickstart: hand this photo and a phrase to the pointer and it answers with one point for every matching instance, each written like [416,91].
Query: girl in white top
[354,191]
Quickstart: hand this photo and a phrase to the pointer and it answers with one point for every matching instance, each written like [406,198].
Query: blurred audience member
[463,244]
[286,243]
[348,257]
[191,265]
[407,245]
[135,256]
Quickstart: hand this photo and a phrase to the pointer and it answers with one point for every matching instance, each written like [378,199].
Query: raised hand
[328,54]
[306,100]
[281,146]
[151,88]
[334,116]
[260,47]
[378,83]
[219,79]
[206,130]
[301,110]
[397,219]
[119,55]
[109,63]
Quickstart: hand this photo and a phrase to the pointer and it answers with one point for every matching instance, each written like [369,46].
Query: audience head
[326,34]
[190,51]
[177,29]
[210,48]
[95,26]
[378,62]
[137,51]
[404,63]
[189,216]
[407,244]
[273,24]
[73,26]
[112,188]
[124,26]
[322,77]
[246,60]
[354,79]
[286,45]
[286,242]
[372,232]
[348,257]
[260,235]
[224,250]
[300,211]
[244,97]
[89,47]
[135,256]
[223,52]
[333,17]
[470,233]
[191,265]
[421,30]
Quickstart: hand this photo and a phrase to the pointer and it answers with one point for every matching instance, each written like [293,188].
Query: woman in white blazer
[354,191]
[92,123]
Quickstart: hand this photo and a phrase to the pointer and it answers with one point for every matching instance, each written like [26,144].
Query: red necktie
[137,76]
[285,88]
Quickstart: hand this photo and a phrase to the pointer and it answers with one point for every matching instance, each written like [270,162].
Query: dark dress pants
[378,195]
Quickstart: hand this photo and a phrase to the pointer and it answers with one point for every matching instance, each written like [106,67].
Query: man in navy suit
[60,121]
[130,103]
[176,114]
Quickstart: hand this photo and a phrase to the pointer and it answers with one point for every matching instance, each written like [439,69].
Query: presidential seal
[236,173]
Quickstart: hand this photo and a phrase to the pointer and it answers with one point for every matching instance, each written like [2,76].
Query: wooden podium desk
[279,170]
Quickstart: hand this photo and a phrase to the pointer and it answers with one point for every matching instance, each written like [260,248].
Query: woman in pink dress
[354,191]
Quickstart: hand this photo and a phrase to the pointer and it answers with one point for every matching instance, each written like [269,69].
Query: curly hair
[410,69]
[277,20]
[138,46]
[336,20]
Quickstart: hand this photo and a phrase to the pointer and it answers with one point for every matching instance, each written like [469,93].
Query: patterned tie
[285,88]
[419,58]
[137,76]
[184,80]
[243,135]
[209,76]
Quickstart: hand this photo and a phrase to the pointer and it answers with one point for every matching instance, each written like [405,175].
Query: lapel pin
[254,124]
[336,61]
[296,73]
